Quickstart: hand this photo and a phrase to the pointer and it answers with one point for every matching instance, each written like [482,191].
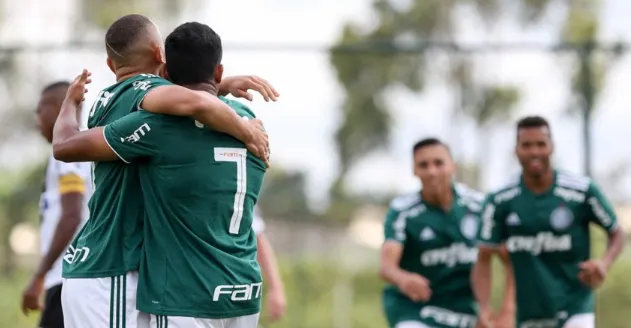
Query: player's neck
[206,87]
[539,184]
[126,72]
[441,199]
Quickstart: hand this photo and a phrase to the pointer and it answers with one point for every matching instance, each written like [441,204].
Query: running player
[276,301]
[101,269]
[199,265]
[63,208]
[430,247]
[543,219]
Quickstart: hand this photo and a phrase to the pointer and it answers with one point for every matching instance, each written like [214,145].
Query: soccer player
[430,247]
[276,300]
[199,265]
[63,209]
[543,218]
[100,270]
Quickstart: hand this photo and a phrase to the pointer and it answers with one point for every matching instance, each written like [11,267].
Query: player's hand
[416,287]
[276,304]
[259,142]
[31,297]
[238,86]
[593,273]
[77,90]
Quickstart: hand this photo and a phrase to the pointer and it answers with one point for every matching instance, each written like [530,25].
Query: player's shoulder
[510,189]
[239,107]
[405,201]
[572,181]
[147,77]
[470,197]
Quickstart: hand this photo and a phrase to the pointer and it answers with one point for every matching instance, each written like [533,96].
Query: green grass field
[320,294]
[10,313]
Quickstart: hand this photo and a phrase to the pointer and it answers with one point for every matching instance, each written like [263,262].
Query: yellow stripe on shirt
[71,183]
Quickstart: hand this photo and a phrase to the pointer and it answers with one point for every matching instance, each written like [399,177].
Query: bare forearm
[66,126]
[508,302]
[392,274]
[269,266]
[84,146]
[615,244]
[481,278]
[64,232]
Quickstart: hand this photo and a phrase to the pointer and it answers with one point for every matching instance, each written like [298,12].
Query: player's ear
[110,64]
[218,76]
[163,72]
[160,56]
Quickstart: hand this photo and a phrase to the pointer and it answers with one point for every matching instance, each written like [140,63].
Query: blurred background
[360,82]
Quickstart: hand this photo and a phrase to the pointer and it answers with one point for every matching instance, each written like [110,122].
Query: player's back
[110,242]
[200,249]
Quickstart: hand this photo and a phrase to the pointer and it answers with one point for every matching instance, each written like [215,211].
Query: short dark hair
[427,142]
[55,85]
[193,51]
[122,34]
[529,122]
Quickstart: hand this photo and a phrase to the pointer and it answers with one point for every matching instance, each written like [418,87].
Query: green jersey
[110,242]
[547,236]
[440,246]
[200,188]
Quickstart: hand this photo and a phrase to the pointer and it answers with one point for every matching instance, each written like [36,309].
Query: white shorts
[102,302]
[583,320]
[247,321]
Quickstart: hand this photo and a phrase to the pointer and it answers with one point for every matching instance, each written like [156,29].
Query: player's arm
[490,238]
[508,301]
[83,146]
[267,258]
[71,191]
[205,108]
[602,214]
[269,265]
[69,143]
[392,248]
[276,299]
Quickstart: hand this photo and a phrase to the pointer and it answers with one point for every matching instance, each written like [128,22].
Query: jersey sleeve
[492,229]
[134,136]
[71,177]
[394,226]
[142,87]
[601,210]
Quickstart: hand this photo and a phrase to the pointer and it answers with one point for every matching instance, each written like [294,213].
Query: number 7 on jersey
[239,157]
